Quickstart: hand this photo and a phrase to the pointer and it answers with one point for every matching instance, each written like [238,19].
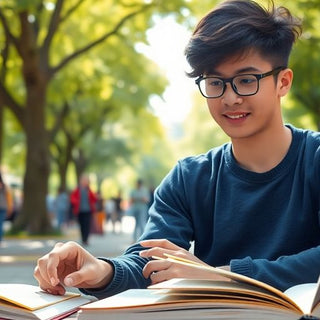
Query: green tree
[305,61]
[102,103]
[39,40]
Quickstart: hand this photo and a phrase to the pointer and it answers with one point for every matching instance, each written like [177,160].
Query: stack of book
[24,302]
[238,297]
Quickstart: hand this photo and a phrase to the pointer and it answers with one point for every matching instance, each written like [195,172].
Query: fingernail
[68,282]
[53,281]
[142,253]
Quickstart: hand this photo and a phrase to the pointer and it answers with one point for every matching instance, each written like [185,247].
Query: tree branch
[7,100]
[86,48]
[6,28]
[5,55]
[55,21]
[36,23]
[71,10]
[52,28]
[59,121]
[27,42]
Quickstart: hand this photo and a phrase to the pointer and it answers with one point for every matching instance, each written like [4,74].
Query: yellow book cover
[24,301]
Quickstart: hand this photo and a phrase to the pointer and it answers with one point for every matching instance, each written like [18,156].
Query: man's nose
[230,96]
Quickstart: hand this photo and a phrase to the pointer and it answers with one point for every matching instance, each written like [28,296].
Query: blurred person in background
[139,199]
[5,205]
[118,211]
[99,215]
[83,201]
[110,211]
[16,198]
[61,207]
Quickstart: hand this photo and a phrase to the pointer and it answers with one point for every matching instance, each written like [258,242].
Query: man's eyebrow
[239,71]
[248,69]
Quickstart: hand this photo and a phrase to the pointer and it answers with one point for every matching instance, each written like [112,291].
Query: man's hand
[68,264]
[161,270]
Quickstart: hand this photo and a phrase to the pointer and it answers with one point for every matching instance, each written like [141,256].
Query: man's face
[245,116]
[84,181]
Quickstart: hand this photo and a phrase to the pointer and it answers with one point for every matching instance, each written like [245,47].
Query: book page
[237,291]
[30,297]
[316,299]
[162,304]
[230,275]
[131,298]
[303,294]
[53,311]
[63,308]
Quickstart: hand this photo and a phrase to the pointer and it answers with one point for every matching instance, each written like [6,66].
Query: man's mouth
[236,116]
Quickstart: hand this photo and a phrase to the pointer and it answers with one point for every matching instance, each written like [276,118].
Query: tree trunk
[64,160]
[63,177]
[80,162]
[34,217]
[1,133]
[35,187]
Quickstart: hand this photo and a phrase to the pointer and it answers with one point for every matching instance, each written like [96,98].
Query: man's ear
[285,78]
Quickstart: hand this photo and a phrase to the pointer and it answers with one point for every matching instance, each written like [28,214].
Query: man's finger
[162,243]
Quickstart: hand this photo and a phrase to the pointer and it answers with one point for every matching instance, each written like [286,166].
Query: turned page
[227,274]
[30,297]
[307,296]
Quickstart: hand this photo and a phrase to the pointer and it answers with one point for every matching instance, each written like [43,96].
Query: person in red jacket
[83,202]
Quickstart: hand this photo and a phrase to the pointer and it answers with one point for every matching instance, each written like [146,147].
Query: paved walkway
[18,256]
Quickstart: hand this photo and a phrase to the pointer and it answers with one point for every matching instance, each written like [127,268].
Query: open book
[24,301]
[175,299]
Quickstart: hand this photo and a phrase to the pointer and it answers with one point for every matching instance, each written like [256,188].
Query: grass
[22,234]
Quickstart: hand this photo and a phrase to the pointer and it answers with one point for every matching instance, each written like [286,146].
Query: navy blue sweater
[264,225]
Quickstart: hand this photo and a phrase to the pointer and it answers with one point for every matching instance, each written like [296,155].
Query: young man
[250,206]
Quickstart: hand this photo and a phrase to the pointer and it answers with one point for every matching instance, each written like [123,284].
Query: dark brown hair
[237,26]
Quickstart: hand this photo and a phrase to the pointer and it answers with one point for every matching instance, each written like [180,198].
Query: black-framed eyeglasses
[242,85]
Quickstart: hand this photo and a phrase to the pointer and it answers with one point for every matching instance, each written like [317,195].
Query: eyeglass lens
[242,84]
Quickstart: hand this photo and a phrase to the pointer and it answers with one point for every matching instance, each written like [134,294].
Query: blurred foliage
[305,61]
[97,112]
[66,68]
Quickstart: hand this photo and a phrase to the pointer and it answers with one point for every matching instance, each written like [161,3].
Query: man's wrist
[107,269]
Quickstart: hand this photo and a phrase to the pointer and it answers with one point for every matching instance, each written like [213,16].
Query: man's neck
[262,152]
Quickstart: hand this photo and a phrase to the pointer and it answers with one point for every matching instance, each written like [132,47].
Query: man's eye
[246,81]
[216,83]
